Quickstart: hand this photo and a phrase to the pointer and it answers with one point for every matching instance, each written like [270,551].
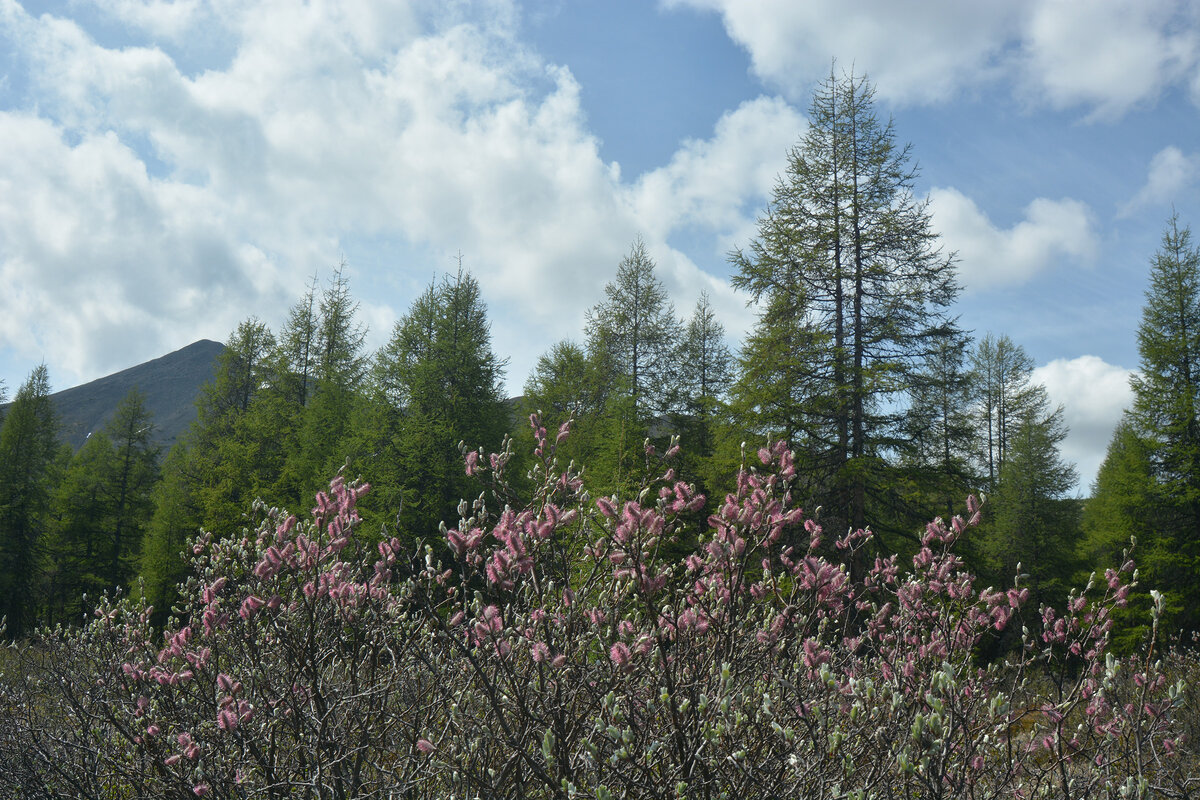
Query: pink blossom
[619,653]
[425,746]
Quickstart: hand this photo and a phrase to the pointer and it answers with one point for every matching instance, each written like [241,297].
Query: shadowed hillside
[170,384]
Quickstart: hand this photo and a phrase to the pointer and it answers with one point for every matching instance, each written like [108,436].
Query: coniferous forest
[619,584]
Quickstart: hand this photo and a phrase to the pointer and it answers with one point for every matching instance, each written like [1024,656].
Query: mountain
[170,384]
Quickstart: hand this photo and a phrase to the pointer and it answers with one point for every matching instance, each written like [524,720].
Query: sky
[169,168]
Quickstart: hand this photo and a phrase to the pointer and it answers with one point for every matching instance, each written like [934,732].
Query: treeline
[895,411]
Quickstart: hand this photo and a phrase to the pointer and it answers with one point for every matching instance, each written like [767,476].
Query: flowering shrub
[554,649]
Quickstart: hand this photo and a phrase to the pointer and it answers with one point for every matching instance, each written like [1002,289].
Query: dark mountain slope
[170,384]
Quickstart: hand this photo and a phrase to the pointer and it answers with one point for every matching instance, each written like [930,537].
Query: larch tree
[853,291]
[704,367]
[131,475]
[217,467]
[436,382]
[82,512]
[569,383]
[634,331]
[102,509]
[298,348]
[1166,414]
[1033,523]
[339,364]
[941,433]
[1002,394]
[28,449]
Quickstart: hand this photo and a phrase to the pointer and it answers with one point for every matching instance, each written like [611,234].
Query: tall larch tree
[704,370]
[339,362]
[1002,394]
[1166,414]
[436,383]
[939,427]
[1033,522]
[634,331]
[853,291]
[82,512]
[216,469]
[28,449]
[569,383]
[130,479]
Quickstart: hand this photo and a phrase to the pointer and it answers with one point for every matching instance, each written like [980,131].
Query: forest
[645,443]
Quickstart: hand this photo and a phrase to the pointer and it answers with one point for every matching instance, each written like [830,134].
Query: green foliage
[130,479]
[1166,417]
[853,292]
[939,430]
[568,383]
[176,520]
[436,383]
[1121,505]
[1033,524]
[84,514]
[1001,372]
[102,508]
[1122,510]
[28,447]
[633,332]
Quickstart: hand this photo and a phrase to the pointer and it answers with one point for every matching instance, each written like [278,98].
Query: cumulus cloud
[1094,395]
[1105,56]
[1171,173]
[711,182]
[150,205]
[1051,231]
[916,53]
[97,257]
[1111,55]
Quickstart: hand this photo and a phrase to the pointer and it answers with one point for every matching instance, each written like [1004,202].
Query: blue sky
[171,168]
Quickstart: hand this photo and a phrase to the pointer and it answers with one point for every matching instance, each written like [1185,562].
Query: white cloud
[1105,56]
[711,182]
[1110,54]
[97,258]
[1094,395]
[914,52]
[1171,173]
[1052,230]
[165,18]
[149,207]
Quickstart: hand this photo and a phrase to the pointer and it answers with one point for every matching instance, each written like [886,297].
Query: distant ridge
[170,385]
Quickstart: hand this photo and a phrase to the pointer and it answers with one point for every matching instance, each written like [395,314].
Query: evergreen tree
[1121,507]
[1121,510]
[704,369]
[568,383]
[704,374]
[634,332]
[940,432]
[218,467]
[28,448]
[225,464]
[436,383]
[296,359]
[177,517]
[83,514]
[1166,415]
[853,291]
[1034,524]
[1002,394]
[130,478]
[102,508]
[322,440]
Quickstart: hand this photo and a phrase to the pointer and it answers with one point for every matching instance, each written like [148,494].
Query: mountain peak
[170,383]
